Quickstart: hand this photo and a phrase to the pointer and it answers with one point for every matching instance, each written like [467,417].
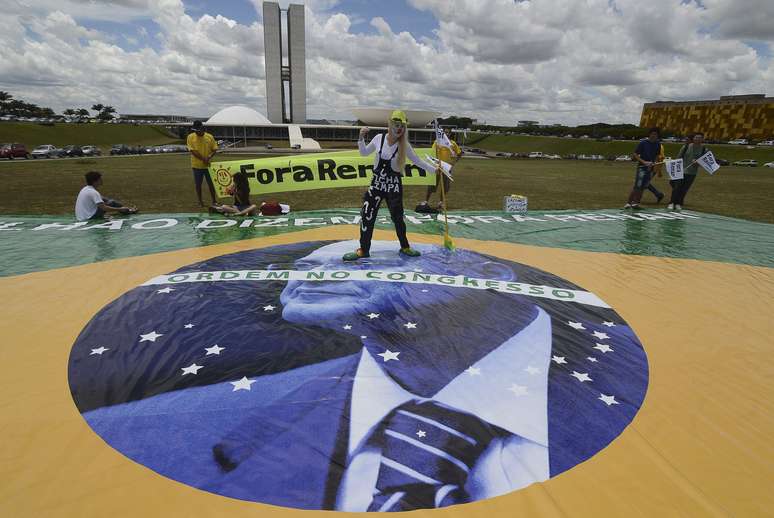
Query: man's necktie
[428,451]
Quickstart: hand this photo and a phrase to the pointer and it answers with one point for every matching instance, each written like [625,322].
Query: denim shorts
[201,173]
[642,177]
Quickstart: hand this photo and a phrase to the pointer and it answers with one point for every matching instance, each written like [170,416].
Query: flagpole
[447,240]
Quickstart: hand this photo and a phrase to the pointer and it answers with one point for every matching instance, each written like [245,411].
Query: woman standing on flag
[392,149]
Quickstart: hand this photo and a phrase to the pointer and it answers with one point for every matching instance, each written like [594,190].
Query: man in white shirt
[90,204]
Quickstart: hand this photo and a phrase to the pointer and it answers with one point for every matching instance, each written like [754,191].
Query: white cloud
[496,60]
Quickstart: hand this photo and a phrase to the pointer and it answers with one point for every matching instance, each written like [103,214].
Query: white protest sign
[446,167]
[708,163]
[440,137]
[674,169]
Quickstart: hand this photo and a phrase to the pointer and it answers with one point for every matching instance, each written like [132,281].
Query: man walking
[690,153]
[203,147]
[646,155]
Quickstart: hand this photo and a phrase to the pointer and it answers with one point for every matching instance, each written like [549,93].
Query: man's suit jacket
[299,437]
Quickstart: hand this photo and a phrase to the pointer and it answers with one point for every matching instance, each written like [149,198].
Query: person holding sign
[690,154]
[646,155]
[449,153]
[391,149]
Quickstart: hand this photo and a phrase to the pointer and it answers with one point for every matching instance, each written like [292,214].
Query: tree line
[20,108]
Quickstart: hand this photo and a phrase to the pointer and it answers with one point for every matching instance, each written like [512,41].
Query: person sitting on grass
[90,204]
[241,192]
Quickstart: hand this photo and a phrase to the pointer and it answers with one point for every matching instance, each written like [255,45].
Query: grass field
[564,146]
[162,183]
[101,135]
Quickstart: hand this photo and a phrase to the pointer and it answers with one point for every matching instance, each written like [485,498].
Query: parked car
[623,158]
[747,163]
[722,161]
[91,151]
[535,154]
[768,164]
[552,157]
[11,151]
[45,151]
[740,141]
[766,143]
[120,149]
[70,151]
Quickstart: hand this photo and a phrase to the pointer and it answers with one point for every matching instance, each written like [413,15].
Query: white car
[739,141]
[766,143]
[769,164]
[553,157]
[535,154]
[746,163]
[623,158]
[45,151]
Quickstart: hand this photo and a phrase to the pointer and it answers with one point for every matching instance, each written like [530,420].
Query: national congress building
[730,117]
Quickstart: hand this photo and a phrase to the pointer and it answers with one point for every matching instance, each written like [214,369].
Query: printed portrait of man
[375,395]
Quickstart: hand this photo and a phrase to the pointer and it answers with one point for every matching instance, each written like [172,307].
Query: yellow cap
[398,115]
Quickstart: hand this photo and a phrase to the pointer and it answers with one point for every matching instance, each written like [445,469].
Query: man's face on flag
[314,302]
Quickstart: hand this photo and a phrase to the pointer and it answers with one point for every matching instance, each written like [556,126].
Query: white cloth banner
[674,169]
[708,163]
[440,137]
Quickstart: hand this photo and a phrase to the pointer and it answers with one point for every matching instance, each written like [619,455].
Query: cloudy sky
[555,61]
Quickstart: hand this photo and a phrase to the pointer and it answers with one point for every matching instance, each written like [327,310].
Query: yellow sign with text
[310,171]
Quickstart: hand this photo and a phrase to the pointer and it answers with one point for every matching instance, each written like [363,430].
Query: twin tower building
[285,56]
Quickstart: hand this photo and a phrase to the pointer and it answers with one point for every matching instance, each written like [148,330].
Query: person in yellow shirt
[450,156]
[203,147]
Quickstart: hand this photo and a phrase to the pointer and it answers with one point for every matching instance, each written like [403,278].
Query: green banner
[33,243]
[310,171]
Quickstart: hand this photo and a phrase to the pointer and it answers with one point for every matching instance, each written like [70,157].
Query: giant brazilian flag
[560,363]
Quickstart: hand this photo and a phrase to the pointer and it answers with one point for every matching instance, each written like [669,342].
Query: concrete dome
[237,116]
[379,116]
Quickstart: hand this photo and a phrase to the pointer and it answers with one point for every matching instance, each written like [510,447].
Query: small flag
[445,166]
[674,169]
[708,163]
[440,137]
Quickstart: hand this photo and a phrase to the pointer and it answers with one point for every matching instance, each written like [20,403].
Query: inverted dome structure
[237,116]
[379,116]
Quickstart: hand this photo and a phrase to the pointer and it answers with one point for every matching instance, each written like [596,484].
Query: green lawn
[162,183]
[101,135]
[565,146]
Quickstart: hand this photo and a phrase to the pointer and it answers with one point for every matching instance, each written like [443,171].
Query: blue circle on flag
[286,376]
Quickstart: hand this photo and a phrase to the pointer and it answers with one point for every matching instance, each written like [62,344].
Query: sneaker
[410,252]
[678,207]
[354,256]
[671,206]
[424,208]
[628,206]
[636,206]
